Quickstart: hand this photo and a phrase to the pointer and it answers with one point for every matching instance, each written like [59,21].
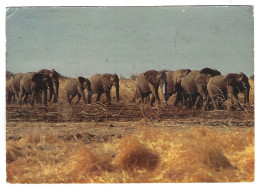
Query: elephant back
[212,72]
[96,83]
[188,82]
[15,80]
[217,85]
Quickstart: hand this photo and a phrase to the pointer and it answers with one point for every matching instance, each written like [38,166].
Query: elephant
[15,85]
[55,80]
[76,86]
[172,83]
[221,88]
[148,83]
[194,86]
[32,83]
[10,96]
[102,84]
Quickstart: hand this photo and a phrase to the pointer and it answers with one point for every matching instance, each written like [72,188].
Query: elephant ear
[178,78]
[241,77]
[54,74]
[81,81]
[182,74]
[115,78]
[38,77]
[230,79]
[150,77]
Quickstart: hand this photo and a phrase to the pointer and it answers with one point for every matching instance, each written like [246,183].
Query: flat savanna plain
[128,142]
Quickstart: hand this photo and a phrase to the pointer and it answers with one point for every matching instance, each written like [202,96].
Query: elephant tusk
[164,88]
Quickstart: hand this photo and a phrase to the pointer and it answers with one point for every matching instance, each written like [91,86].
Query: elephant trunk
[50,91]
[117,93]
[56,92]
[246,96]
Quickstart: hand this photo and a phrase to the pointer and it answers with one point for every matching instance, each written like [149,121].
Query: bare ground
[100,123]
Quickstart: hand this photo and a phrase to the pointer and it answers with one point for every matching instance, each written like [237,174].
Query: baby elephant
[75,87]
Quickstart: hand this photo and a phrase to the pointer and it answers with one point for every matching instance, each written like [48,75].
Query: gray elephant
[102,84]
[172,83]
[10,96]
[53,92]
[32,83]
[194,86]
[221,88]
[15,85]
[148,83]
[75,87]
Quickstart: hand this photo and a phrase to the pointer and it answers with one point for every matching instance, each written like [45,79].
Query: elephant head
[154,77]
[110,80]
[212,72]
[239,83]
[84,83]
[55,80]
[244,86]
[42,81]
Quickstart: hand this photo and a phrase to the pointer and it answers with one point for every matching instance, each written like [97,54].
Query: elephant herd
[192,88]
[24,88]
[21,86]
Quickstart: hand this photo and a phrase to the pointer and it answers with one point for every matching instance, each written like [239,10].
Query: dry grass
[199,154]
[148,155]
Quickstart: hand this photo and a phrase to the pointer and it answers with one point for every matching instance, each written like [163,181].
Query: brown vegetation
[197,154]
[128,142]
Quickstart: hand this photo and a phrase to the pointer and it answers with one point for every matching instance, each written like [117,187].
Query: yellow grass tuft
[134,155]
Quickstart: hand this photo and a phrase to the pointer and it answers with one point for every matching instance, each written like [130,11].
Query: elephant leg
[13,99]
[25,98]
[108,97]
[15,94]
[20,97]
[235,102]
[81,94]
[44,97]
[178,99]
[187,101]
[89,98]
[142,98]
[98,97]
[215,103]
[79,97]
[197,102]
[71,97]
[32,98]
[157,97]
[68,98]
[205,104]
[152,100]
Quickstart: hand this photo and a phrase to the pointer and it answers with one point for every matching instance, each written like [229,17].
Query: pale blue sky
[125,40]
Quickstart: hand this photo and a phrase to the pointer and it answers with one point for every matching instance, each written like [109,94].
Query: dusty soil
[100,123]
